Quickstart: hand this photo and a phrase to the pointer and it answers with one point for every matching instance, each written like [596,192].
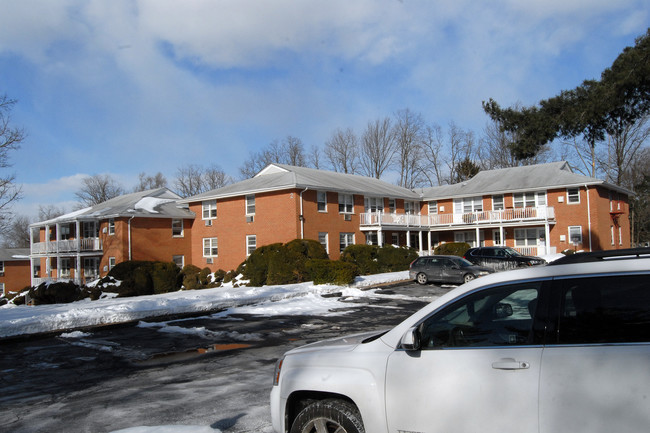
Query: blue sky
[123,87]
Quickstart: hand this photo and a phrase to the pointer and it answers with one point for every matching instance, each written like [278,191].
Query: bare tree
[290,151]
[433,154]
[377,148]
[342,151]
[10,139]
[189,180]
[622,149]
[314,156]
[146,182]
[461,148]
[50,211]
[214,177]
[495,150]
[97,189]
[17,235]
[410,135]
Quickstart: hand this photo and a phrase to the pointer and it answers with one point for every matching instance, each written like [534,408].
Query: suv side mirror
[411,339]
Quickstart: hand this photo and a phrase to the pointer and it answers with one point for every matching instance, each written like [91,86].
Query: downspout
[301,217]
[130,252]
[588,216]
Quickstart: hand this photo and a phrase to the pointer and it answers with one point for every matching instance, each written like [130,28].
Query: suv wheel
[421,278]
[328,416]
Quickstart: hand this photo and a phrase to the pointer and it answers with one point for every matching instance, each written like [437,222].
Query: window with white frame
[2,288]
[611,234]
[209,209]
[251,244]
[91,267]
[529,199]
[90,229]
[573,195]
[469,237]
[620,235]
[496,237]
[529,237]
[575,235]
[65,267]
[2,268]
[321,198]
[410,207]
[345,239]
[391,205]
[497,202]
[111,263]
[250,204]
[468,205]
[64,232]
[179,261]
[373,204]
[433,207]
[394,237]
[346,203]
[210,247]
[177,228]
[111,226]
[323,239]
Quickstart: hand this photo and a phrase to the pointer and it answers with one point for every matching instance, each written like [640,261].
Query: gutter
[588,215]
[301,217]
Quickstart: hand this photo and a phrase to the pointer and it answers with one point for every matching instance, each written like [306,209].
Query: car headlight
[483,273]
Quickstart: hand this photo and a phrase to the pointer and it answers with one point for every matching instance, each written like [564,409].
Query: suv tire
[328,416]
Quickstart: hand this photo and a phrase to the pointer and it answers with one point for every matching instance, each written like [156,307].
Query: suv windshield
[463,263]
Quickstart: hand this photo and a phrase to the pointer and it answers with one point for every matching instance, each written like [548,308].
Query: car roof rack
[598,256]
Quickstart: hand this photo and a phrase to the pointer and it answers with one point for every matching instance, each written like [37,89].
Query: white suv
[558,348]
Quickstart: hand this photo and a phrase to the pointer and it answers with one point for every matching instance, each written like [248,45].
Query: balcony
[472,219]
[67,246]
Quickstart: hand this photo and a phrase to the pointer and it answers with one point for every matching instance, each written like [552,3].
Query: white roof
[276,177]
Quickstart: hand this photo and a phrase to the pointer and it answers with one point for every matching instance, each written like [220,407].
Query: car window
[500,316]
[488,252]
[605,310]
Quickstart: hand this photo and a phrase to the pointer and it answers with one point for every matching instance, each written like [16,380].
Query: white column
[408,238]
[420,241]
[380,241]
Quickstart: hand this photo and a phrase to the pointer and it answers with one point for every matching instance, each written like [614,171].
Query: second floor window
[2,267]
[209,209]
[497,202]
[374,204]
[573,195]
[346,203]
[250,204]
[111,226]
[177,228]
[468,205]
[322,201]
[210,248]
[433,207]
[410,207]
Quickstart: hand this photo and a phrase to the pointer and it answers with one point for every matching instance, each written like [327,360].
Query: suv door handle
[510,364]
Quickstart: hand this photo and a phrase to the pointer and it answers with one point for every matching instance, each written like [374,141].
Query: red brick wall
[275,220]
[16,276]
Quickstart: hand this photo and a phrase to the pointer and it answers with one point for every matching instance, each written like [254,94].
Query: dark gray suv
[445,269]
[501,258]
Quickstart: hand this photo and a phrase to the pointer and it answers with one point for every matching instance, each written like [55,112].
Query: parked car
[546,349]
[501,258]
[445,269]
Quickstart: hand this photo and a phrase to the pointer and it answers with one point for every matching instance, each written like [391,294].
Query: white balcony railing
[543,213]
[67,246]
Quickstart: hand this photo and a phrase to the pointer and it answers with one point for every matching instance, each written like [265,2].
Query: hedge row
[372,259]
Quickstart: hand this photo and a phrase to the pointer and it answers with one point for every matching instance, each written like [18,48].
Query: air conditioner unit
[250,218]
[209,260]
[208,223]
[347,217]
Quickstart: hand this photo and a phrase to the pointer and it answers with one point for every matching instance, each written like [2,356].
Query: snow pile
[24,320]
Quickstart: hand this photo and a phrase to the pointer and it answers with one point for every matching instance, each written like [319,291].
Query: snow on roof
[160,202]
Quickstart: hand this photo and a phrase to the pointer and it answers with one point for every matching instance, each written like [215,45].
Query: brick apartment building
[14,270]
[86,244]
[538,209]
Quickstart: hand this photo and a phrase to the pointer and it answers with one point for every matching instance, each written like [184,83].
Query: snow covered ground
[27,320]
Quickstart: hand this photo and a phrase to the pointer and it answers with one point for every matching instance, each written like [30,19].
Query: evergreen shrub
[165,277]
[393,259]
[364,256]
[452,249]
[324,271]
